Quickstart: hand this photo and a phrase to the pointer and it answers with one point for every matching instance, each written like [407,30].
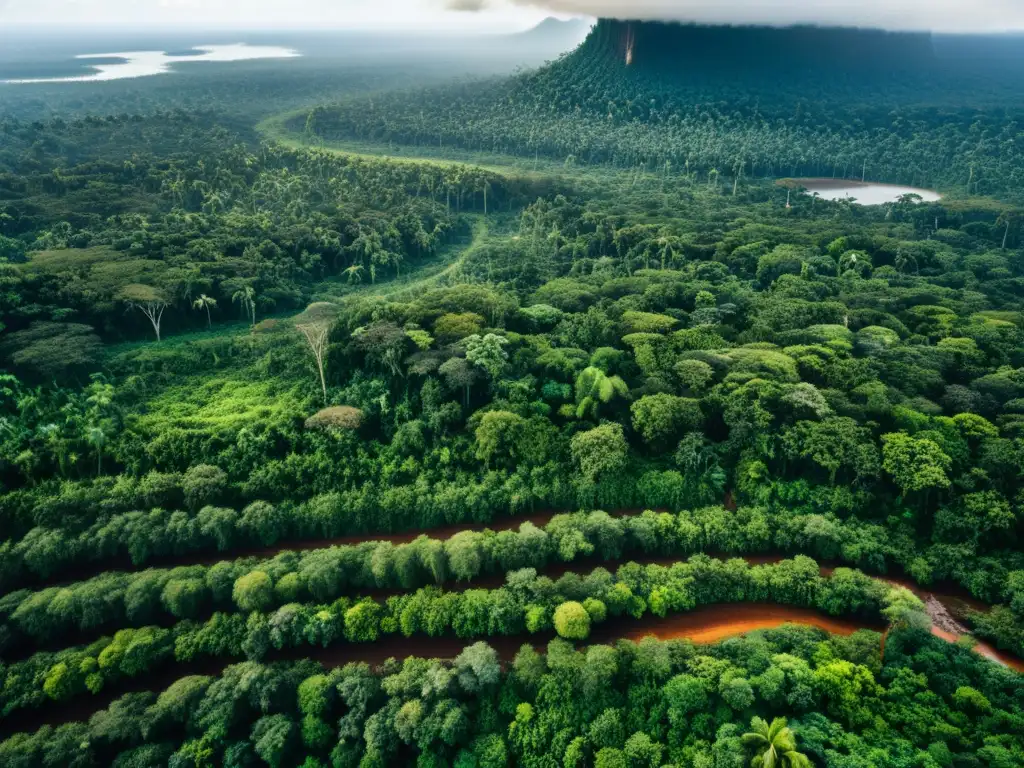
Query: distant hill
[544,42]
[674,48]
[908,108]
[1006,48]
[567,33]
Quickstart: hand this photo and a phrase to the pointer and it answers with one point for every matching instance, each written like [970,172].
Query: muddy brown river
[703,625]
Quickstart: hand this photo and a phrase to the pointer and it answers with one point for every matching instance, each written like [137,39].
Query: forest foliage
[232,369]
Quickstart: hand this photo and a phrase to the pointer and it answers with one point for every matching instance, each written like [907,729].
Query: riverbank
[709,624]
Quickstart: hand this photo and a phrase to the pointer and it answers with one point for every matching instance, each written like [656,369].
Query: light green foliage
[916,464]
[968,699]
[600,451]
[572,621]
[643,752]
[647,322]
[595,609]
[595,388]
[774,745]
[609,757]
[487,353]
[362,622]
[499,435]
[693,374]
[253,591]
[420,338]
[458,326]
[662,419]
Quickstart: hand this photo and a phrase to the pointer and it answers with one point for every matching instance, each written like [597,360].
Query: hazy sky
[498,15]
[511,15]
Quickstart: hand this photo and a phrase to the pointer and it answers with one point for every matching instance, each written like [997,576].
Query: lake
[118,66]
[864,193]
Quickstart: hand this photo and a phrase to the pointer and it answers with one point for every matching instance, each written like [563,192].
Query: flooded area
[119,66]
[864,193]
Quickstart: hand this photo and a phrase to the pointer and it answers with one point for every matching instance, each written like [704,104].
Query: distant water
[864,193]
[118,66]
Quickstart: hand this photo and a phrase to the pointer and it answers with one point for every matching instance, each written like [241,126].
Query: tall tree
[148,300]
[246,298]
[205,302]
[97,439]
[315,326]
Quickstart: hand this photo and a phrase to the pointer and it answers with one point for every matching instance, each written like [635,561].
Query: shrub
[203,484]
[572,621]
[254,591]
[336,417]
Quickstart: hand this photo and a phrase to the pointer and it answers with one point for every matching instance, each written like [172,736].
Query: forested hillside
[631,458]
[733,102]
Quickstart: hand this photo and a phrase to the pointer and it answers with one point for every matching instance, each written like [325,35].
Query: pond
[118,66]
[864,193]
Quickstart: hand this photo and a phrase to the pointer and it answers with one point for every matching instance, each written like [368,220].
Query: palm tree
[774,745]
[247,298]
[205,302]
[97,438]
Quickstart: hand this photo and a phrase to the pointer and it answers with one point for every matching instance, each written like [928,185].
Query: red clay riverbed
[704,625]
[946,608]
[710,624]
[123,562]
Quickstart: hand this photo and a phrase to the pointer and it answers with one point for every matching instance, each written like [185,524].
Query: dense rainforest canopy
[739,102]
[279,417]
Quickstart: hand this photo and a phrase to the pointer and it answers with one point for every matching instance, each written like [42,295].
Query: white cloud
[509,15]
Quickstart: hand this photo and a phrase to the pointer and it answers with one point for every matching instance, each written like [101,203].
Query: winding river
[709,624]
[703,625]
[947,608]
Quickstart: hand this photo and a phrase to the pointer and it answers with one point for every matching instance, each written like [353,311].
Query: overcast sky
[510,15]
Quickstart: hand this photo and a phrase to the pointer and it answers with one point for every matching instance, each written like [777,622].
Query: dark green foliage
[780,373]
[696,103]
[663,701]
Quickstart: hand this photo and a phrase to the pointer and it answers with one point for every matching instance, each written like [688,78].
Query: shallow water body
[119,66]
[864,193]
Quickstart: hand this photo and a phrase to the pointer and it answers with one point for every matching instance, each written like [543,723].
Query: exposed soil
[704,625]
